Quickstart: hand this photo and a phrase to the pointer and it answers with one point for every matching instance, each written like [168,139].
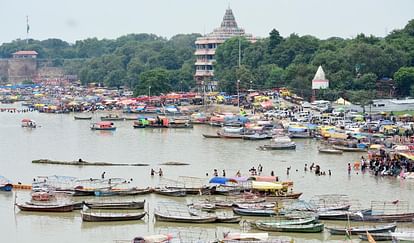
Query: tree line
[135,60]
[353,66]
[142,60]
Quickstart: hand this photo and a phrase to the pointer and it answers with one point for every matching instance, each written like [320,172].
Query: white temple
[319,81]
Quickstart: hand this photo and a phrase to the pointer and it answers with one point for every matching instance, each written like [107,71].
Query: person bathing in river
[317,170]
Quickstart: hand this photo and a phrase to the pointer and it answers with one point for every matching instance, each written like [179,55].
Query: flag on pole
[27,25]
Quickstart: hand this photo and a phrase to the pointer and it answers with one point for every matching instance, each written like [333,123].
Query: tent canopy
[342,101]
[221,180]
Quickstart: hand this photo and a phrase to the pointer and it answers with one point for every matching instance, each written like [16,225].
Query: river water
[60,137]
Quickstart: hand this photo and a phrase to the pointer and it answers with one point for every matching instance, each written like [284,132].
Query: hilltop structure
[23,66]
[206,48]
[319,81]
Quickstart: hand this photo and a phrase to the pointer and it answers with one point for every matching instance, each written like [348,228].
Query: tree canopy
[350,64]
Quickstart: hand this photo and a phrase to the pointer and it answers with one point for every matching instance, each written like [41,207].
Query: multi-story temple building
[206,48]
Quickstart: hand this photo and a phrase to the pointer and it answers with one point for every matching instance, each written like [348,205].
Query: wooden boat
[127,118]
[42,196]
[243,237]
[254,212]
[191,190]
[78,192]
[152,238]
[344,207]
[279,143]
[362,229]
[135,191]
[403,217]
[116,205]
[221,217]
[405,236]
[46,208]
[303,228]
[180,125]
[76,206]
[170,192]
[348,149]
[256,136]
[281,222]
[83,117]
[228,219]
[184,218]
[101,217]
[112,117]
[138,125]
[377,236]
[28,123]
[230,135]
[103,126]
[334,215]
[330,151]
[278,146]
[211,136]
[5,184]
[300,135]
[287,195]
[105,193]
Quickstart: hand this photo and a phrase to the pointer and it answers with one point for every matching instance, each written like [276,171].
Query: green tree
[366,82]
[274,40]
[157,80]
[404,79]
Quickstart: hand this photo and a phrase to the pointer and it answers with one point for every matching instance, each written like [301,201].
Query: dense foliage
[352,65]
[141,60]
[129,60]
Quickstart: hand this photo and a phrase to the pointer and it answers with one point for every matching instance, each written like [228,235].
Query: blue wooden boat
[5,184]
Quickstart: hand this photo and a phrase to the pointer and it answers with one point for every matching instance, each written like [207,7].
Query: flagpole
[27,29]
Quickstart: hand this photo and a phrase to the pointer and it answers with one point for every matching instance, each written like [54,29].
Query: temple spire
[228,20]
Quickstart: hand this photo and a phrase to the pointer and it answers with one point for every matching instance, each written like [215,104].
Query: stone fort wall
[15,71]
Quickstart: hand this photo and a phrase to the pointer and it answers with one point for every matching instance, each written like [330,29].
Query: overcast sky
[72,20]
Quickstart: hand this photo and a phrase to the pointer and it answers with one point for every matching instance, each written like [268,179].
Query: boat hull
[97,217]
[348,149]
[45,208]
[306,228]
[185,219]
[362,230]
[116,205]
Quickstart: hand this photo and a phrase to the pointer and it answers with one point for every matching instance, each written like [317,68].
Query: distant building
[206,48]
[25,54]
[319,81]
